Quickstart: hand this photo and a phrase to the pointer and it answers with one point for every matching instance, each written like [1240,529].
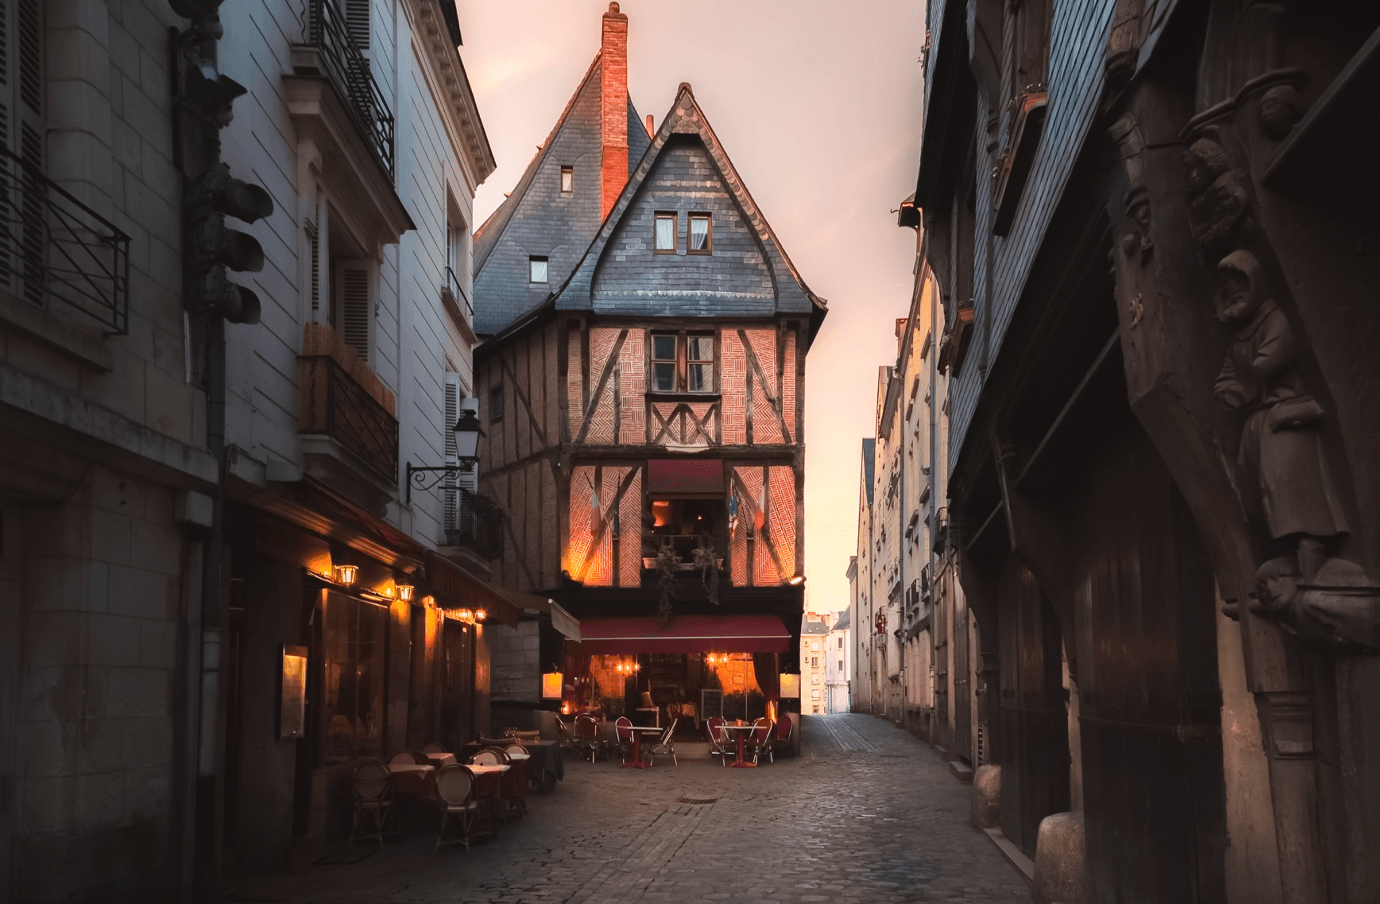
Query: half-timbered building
[644,415]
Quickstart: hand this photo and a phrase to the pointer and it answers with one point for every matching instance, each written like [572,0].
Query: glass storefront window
[354,634]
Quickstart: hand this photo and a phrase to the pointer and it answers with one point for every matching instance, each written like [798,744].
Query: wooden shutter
[357,20]
[449,412]
[351,285]
[314,243]
[22,132]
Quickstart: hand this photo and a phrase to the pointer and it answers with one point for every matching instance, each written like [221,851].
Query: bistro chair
[623,727]
[719,742]
[785,727]
[490,756]
[664,744]
[587,737]
[455,787]
[525,736]
[419,758]
[402,759]
[761,739]
[433,747]
[371,783]
[515,779]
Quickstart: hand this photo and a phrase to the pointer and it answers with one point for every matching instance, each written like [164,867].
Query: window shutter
[357,21]
[450,411]
[29,33]
[351,287]
[314,241]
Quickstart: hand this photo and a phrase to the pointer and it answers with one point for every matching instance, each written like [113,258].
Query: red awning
[685,475]
[687,634]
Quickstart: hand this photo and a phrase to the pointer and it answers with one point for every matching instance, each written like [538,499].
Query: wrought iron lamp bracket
[430,478]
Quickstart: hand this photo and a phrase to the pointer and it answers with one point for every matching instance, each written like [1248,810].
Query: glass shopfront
[355,642]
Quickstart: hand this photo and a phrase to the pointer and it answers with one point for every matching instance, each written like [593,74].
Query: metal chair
[761,739]
[433,747]
[664,744]
[525,736]
[455,786]
[373,789]
[515,779]
[785,727]
[402,759]
[720,744]
[587,736]
[625,737]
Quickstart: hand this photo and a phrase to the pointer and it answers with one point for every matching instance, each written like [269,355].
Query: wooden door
[963,693]
[1033,735]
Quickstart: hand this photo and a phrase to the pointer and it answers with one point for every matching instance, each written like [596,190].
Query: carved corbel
[1130,145]
[1123,45]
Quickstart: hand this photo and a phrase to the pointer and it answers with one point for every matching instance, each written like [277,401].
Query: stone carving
[1280,110]
[1218,205]
[1136,202]
[1283,468]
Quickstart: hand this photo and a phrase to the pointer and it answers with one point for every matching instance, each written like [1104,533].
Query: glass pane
[538,269]
[567,179]
[665,233]
[664,348]
[701,348]
[699,233]
[354,640]
[665,377]
[701,377]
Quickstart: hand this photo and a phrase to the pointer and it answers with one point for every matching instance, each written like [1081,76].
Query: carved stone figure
[1340,610]
[1281,455]
[1280,110]
[1218,204]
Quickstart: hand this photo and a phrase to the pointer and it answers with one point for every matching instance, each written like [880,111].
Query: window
[814,662]
[840,643]
[666,233]
[814,679]
[840,665]
[496,404]
[687,524]
[536,269]
[351,299]
[567,179]
[682,362]
[354,635]
[701,234]
[814,695]
[814,646]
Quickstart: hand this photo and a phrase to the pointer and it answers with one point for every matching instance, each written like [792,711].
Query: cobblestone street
[867,814]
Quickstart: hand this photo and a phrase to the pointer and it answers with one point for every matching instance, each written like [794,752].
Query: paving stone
[866,814]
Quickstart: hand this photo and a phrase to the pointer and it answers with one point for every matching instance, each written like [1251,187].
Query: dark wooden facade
[1162,475]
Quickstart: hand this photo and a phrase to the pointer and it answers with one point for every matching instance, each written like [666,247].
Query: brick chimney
[613,108]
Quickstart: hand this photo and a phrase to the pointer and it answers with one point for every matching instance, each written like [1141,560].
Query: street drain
[693,800]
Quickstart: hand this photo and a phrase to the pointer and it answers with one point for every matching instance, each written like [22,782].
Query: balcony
[57,253]
[340,60]
[474,522]
[349,433]
[457,304]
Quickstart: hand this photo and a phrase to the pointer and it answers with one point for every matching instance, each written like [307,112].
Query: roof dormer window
[701,234]
[666,233]
[536,269]
[567,179]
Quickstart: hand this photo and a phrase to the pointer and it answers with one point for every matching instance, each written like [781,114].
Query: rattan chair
[372,785]
[434,747]
[455,787]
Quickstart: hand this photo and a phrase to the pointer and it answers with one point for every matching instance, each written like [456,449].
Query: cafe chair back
[434,747]
[762,739]
[664,744]
[371,783]
[625,737]
[587,736]
[455,788]
[785,728]
[719,741]
[486,757]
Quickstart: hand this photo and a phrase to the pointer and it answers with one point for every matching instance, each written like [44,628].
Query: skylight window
[536,269]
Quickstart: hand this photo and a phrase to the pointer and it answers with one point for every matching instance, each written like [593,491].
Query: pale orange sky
[818,104]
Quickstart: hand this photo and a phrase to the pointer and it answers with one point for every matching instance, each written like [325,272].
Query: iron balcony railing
[457,295]
[55,249]
[334,405]
[348,68]
[474,521]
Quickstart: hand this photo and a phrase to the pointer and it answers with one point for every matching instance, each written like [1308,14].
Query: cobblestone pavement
[867,813]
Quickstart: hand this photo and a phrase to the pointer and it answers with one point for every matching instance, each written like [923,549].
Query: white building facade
[838,647]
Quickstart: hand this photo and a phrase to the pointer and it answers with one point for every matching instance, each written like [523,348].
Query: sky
[817,102]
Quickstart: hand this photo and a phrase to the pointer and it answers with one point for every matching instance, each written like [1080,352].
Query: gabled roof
[492,312]
[810,626]
[686,118]
[844,619]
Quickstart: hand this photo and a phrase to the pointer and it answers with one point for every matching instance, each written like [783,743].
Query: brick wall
[613,109]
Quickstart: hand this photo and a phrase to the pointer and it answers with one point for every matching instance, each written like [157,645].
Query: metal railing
[54,248]
[348,68]
[457,294]
[474,521]
[334,405]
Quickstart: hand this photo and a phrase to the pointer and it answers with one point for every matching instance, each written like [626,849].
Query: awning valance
[631,635]
[456,588]
[561,620]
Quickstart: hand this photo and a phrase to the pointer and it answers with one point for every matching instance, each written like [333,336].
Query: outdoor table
[637,745]
[441,759]
[412,778]
[546,767]
[742,730]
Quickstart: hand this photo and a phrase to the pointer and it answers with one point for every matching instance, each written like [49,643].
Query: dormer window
[567,179]
[701,234]
[666,233]
[536,269]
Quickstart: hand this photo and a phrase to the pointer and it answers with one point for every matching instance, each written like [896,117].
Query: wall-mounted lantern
[790,686]
[552,685]
[346,574]
[467,433]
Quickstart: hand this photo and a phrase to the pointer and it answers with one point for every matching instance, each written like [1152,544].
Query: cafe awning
[567,624]
[456,588]
[631,635]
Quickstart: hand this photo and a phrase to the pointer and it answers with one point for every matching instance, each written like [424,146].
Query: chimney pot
[651,132]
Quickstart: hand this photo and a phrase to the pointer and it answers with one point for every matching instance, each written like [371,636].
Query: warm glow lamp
[405,592]
[346,574]
[551,685]
[790,686]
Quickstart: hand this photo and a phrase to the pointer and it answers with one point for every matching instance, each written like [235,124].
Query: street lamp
[467,433]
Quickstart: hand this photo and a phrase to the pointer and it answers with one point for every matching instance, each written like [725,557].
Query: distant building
[838,653]
[814,656]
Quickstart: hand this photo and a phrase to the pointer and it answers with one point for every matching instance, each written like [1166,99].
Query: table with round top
[743,731]
[637,744]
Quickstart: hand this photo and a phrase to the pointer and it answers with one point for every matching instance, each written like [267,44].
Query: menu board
[711,703]
[292,711]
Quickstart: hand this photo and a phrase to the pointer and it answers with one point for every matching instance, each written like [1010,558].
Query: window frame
[674,217]
[495,403]
[709,232]
[546,269]
[681,383]
[567,177]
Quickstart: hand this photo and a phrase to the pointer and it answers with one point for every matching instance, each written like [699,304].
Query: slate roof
[787,292]
[536,218]
[869,457]
[809,626]
[845,618]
